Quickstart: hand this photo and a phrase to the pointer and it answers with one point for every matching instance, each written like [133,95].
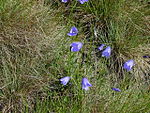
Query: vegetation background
[35,54]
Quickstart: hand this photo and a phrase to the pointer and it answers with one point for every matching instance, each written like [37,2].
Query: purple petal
[73,31]
[107,52]
[101,47]
[146,56]
[76,46]
[65,1]
[65,80]
[71,34]
[128,65]
[86,84]
[74,49]
[116,89]
[82,1]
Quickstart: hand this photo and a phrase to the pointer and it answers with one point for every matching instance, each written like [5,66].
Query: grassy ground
[35,54]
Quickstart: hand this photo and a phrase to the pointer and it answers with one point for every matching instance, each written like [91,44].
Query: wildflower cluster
[106,52]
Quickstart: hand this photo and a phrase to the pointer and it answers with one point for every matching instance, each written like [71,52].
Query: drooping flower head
[101,47]
[65,80]
[116,89]
[146,56]
[73,31]
[65,1]
[86,84]
[82,1]
[107,52]
[128,65]
[76,46]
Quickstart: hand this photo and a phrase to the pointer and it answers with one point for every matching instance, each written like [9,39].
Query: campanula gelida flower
[65,80]
[128,65]
[65,1]
[85,84]
[116,89]
[73,31]
[76,46]
[82,1]
[101,47]
[107,52]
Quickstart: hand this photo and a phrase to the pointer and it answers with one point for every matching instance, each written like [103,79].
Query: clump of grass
[26,40]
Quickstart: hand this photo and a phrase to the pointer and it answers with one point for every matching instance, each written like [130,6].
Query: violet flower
[107,52]
[65,80]
[128,65]
[116,89]
[146,56]
[76,46]
[73,31]
[86,84]
[101,47]
[82,1]
[65,1]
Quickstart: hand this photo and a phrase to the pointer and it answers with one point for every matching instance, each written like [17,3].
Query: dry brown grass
[28,32]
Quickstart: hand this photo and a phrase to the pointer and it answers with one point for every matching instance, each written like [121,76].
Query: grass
[35,54]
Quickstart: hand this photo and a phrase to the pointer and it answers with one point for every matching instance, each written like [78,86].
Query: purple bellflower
[86,84]
[73,31]
[82,1]
[65,1]
[76,46]
[65,80]
[101,47]
[128,65]
[116,89]
[146,56]
[107,52]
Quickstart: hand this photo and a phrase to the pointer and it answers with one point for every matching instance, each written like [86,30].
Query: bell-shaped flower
[128,65]
[101,47]
[86,84]
[82,1]
[146,56]
[73,31]
[76,46]
[65,80]
[65,1]
[107,52]
[116,89]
